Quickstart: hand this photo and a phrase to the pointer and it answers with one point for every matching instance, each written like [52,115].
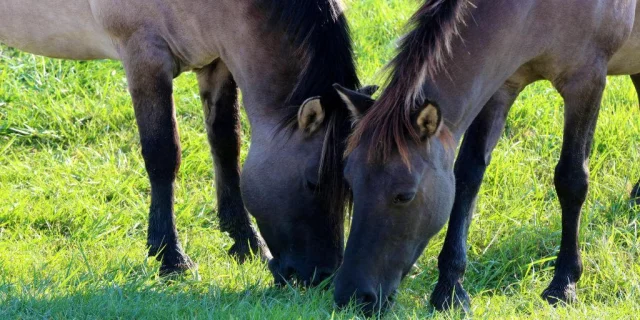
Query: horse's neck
[485,55]
[265,102]
[266,70]
[264,93]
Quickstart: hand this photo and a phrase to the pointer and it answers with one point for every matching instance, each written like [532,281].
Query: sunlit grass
[74,198]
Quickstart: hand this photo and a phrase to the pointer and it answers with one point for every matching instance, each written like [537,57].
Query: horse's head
[400,201]
[292,184]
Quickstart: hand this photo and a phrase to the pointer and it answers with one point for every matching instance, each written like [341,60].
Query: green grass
[74,198]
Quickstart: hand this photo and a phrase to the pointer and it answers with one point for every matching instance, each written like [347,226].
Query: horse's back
[55,28]
[570,34]
[192,30]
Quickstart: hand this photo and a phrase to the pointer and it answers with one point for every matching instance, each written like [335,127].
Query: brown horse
[283,55]
[458,72]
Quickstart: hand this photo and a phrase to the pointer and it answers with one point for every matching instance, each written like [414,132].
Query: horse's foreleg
[474,157]
[219,95]
[149,68]
[582,93]
[635,193]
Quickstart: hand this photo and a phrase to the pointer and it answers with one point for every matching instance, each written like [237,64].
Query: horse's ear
[358,102]
[428,121]
[310,116]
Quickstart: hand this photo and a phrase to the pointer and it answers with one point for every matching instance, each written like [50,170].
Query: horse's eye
[404,198]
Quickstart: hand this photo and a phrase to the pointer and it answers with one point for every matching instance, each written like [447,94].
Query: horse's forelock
[332,184]
[423,52]
[387,127]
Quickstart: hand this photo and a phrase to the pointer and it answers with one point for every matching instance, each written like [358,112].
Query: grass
[74,197]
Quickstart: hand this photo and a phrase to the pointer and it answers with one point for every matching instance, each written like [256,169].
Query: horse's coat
[502,46]
[279,53]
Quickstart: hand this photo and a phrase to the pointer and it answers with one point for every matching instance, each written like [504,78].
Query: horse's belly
[54,28]
[627,59]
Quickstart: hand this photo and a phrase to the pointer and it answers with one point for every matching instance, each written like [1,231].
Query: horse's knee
[151,91]
[224,135]
[572,182]
[162,158]
[219,96]
[471,165]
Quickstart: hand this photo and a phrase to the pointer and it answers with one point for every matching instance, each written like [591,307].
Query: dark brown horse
[458,72]
[283,55]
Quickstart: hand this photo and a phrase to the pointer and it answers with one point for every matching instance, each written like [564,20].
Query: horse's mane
[319,34]
[422,54]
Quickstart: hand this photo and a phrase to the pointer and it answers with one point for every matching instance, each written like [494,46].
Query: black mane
[320,37]
[319,33]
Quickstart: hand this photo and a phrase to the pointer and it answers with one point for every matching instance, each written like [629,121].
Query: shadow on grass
[515,268]
[162,300]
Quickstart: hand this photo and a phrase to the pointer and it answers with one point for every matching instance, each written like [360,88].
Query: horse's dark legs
[149,69]
[219,96]
[474,157]
[635,193]
[582,94]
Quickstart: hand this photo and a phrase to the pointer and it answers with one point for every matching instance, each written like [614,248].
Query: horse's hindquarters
[57,28]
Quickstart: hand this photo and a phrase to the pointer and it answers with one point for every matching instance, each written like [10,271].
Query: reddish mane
[422,54]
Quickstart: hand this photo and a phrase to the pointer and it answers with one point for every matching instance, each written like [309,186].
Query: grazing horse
[283,55]
[458,72]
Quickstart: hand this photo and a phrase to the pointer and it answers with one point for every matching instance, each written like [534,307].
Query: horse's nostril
[368,303]
[367,299]
[341,302]
[288,272]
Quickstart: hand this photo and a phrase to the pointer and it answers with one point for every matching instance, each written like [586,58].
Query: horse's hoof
[557,294]
[446,297]
[254,246]
[180,266]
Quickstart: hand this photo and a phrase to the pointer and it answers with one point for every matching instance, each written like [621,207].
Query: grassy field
[74,198]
